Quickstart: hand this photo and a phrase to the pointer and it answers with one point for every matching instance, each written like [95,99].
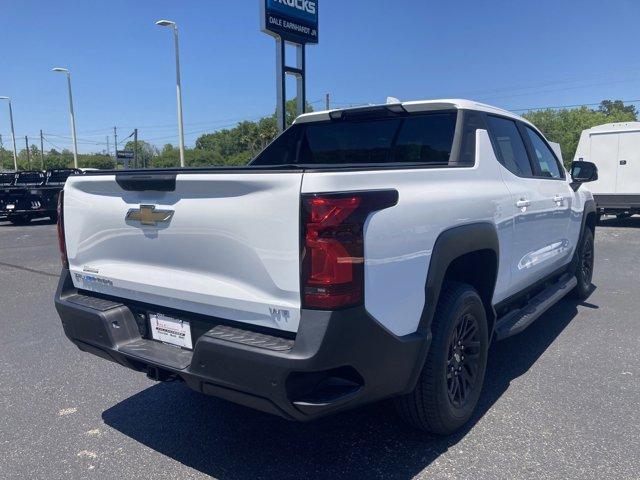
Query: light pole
[169,23]
[13,134]
[73,118]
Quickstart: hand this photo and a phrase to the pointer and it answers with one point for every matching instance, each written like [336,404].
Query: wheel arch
[470,254]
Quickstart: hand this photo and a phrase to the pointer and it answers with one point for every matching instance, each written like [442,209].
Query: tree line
[238,145]
[564,126]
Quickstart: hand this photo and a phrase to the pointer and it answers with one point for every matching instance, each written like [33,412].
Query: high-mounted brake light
[333,246]
[62,243]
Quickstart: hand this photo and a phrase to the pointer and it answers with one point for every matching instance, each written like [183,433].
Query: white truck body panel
[615,149]
[399,240]
[231,249]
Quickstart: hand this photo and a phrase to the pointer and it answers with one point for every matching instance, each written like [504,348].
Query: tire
[436,405]
[584,266]
[20,220]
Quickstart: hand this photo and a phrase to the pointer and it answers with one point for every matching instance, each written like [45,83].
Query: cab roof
[416,106]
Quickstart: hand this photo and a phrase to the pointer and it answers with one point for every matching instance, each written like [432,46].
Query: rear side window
[473,121]
[544,157]
[420,139]
[511,150]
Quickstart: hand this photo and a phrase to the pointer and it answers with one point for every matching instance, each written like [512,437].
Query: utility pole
[174,27]
[26,142]
[108,149]
[327,101]
[1,155]
[71,114]
[115,142]
[42,149]
[135,148]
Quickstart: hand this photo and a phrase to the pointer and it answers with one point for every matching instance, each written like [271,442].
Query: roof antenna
[391,100]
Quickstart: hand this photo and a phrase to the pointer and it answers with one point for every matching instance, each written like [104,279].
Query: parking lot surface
[561,400]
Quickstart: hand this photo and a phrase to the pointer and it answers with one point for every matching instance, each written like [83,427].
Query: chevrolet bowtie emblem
[148,215]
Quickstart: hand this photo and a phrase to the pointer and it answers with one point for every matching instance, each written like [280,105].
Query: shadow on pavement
[33,223]
[228,441]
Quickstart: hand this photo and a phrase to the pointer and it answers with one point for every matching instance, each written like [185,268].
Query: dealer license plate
[170,330]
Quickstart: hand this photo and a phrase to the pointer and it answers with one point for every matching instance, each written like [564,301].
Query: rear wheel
[584,266]
[451,380]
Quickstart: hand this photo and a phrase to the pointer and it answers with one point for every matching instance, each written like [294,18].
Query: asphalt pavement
[561,400]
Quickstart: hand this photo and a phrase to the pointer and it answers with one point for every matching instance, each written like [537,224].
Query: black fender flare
[452,244]
[589,208]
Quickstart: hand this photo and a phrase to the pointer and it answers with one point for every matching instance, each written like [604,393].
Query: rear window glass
[29,178]
[410,139]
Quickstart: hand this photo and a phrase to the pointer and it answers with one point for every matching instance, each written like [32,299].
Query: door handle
[523,203]
[558,199]
[623,162]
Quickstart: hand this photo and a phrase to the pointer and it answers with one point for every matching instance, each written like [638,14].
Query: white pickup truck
[367,253]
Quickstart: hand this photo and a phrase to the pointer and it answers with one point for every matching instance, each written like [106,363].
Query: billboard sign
[294,21]
[125,154]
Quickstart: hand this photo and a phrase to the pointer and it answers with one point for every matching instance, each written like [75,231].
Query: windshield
[419,139]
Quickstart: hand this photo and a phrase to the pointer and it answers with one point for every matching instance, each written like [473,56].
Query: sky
[512,54]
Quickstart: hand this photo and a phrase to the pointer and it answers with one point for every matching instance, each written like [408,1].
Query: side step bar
[516,321]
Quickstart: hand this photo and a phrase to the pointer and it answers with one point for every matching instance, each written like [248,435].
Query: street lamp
[169,23]
[13,134]
[73,119]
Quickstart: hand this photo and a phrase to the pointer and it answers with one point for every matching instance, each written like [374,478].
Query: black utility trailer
[33,194]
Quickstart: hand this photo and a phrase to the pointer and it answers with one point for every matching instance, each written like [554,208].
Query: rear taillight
[333,246]
[62,244]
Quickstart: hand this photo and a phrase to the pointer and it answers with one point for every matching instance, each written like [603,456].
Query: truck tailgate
[220,244]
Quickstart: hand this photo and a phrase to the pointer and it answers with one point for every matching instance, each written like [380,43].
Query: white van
[615,149]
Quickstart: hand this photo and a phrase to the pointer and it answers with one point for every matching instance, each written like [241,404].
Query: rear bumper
[617,203]
[337,361]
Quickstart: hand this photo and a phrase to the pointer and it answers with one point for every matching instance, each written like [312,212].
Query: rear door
[557,197]
[604,153]
[539,234]
[628,178]
[218,244]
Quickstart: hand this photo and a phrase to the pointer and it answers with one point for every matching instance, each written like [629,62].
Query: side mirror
[583,172]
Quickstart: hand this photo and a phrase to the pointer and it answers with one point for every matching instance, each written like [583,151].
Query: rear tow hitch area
[160,375]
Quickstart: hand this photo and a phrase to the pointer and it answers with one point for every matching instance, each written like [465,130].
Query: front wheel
[584,266]
[451,380]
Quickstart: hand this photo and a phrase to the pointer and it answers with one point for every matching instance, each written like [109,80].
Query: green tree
[145,152]
[101,161]
[238,145]
[565,126]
